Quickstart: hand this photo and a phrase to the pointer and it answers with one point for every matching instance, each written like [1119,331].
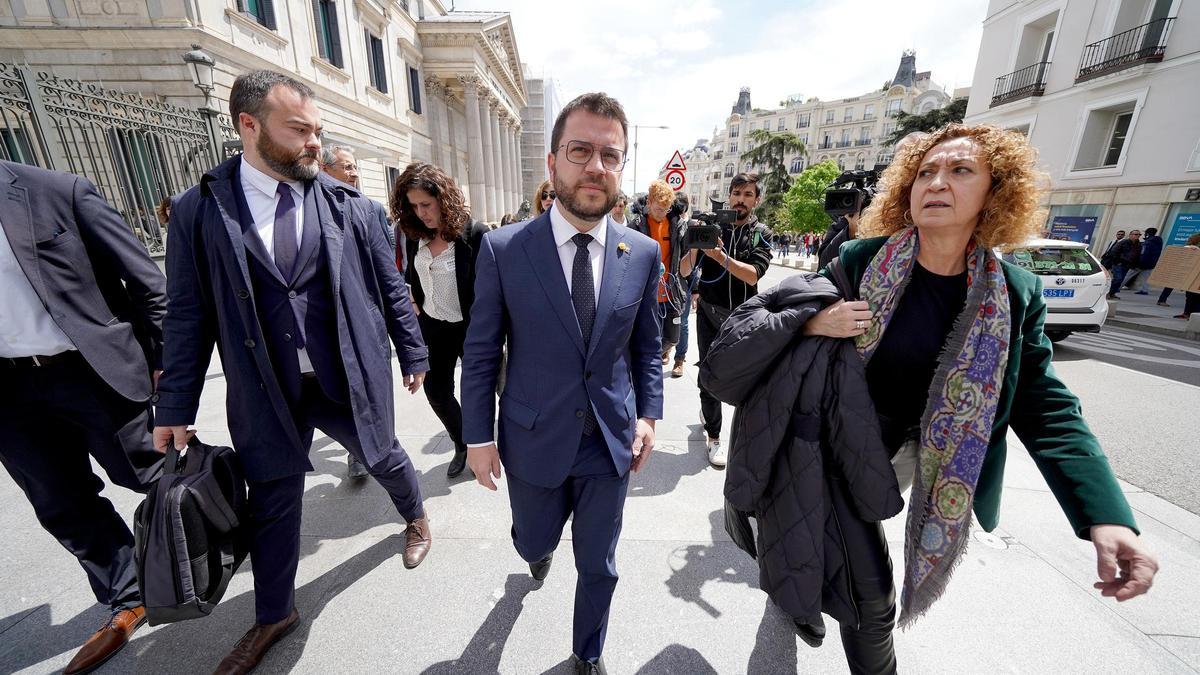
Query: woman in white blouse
[442,243]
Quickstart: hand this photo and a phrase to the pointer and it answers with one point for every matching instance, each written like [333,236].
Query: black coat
[805,434]
[466,250]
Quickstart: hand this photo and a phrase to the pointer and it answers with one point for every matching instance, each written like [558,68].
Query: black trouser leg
[868,646]
[1192,304]
[710,407]
[275,508]
[1166,293]
[51,419]
[445,342]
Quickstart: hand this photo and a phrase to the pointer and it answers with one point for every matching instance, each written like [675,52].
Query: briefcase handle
[173,464]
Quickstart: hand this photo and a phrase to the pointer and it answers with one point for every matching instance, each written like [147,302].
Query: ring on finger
[860,324]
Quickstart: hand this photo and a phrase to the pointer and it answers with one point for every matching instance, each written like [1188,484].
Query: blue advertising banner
[1073,228]
[1186,224]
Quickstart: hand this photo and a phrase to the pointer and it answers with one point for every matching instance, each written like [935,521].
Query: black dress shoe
[813,634]
[457,464]
[590,667]
[541,568]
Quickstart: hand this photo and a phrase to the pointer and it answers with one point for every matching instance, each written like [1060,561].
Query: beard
[577,207]
[286,162]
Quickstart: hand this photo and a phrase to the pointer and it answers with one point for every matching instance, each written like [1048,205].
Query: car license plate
[1058,292]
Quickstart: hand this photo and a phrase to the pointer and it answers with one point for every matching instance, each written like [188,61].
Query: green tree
[933,120]
[804,203]
[769,154]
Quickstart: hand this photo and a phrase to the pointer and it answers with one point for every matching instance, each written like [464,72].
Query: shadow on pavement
[696,564]
[160,651]
[679,659]
[49,640]
[482,654]
[774,644]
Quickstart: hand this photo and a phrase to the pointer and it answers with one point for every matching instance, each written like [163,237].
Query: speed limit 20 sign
[675,179]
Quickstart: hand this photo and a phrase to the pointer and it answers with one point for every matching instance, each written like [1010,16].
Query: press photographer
[845,198]
[659,215]
[729,270]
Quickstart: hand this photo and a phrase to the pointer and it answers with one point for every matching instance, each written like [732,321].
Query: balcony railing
[1144,44]
[1026,82]
[862,141]
[892,113]
[868,117]
[844,144]
[824,146]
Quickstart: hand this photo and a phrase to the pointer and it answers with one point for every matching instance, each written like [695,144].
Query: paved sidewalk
[1141,312]
[687,601]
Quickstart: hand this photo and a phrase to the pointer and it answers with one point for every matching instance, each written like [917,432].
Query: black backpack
[189,536]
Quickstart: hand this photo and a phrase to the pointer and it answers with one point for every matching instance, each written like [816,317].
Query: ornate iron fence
[136,150]
[1026,82]
[1145,44]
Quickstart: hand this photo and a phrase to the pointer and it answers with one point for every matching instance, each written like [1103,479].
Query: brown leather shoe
[250,650]
[417,540]
[677,371]
[107,641]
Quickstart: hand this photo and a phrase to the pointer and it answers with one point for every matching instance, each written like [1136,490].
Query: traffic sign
[675,179]
[676,163]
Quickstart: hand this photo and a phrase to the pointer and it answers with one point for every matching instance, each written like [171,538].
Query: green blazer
[1045,415]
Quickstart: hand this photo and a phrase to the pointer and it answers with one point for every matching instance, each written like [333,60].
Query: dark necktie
[285,231]
[583,296]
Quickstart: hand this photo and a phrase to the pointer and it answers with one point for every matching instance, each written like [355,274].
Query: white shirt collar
[563,230]
[264,183]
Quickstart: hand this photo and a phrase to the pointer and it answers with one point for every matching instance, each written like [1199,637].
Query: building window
[803,120]
[893,107]
[1105,136]
[733,132]
[376,67]
[860,162]
[729,170]
[263,11]
[780,125]
[797,165]
[733,147]
[392,174]
[849,115]
[329,43]
[828,117]
[753,126]
[889,129]
[869,112]
[414,90]
[864,134]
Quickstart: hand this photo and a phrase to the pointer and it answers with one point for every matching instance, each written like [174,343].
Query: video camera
[841,201]
[704,230]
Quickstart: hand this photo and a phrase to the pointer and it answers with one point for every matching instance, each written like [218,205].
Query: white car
[1074,284]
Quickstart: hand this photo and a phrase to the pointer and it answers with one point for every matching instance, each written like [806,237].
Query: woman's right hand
[841,320]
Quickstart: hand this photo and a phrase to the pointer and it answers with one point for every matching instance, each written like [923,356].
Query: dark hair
[597,103]
[250,91]
[745,179]
[163,210]
[1151,231]
[427,177]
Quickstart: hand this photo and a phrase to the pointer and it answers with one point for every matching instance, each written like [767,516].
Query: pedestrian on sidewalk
[659,215]
[443,243]
[82,306]
[937,314]
[285,267]
[574,296]
[1118,236]
[1152,247]
[1121,257]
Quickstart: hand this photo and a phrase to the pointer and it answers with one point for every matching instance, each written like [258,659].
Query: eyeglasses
[344,166]
[581,152]
[549,195]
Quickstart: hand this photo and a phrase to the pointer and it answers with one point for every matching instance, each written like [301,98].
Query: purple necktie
[285,231]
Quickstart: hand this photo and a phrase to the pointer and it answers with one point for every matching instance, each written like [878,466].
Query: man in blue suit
[575,297]
[283,267]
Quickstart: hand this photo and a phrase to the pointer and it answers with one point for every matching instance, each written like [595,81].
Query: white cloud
[682,63]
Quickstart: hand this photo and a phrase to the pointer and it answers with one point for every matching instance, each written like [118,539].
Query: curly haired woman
[442,243]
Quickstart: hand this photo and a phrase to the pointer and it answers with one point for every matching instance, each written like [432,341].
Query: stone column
[489,156]
[437,113]
[506,136]
[497,160]
[475,161]
[518,177]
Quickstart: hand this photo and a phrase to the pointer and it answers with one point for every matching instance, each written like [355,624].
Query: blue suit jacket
[521,299]
[90,271]
[209,300]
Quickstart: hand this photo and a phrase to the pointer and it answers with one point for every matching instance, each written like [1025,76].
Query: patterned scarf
[959,411]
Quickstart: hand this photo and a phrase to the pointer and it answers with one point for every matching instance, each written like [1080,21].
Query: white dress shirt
[439,280]
[563,231]
[26,327]
[262,198]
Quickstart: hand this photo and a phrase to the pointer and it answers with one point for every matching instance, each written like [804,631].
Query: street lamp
[201,65]
[635,146]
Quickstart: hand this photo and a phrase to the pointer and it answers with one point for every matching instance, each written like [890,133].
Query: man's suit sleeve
[398,310]
[188,329]
[483,350]
[645,347]
[113,248]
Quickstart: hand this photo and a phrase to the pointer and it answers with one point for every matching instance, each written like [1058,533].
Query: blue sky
[682,62]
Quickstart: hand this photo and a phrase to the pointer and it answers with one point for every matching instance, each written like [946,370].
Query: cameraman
[658,216]
[729,276]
